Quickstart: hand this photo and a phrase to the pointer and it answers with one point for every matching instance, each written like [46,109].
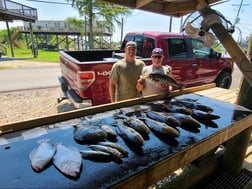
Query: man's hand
[140,84]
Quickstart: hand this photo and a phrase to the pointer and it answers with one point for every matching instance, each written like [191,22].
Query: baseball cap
[131,44]
[157,51]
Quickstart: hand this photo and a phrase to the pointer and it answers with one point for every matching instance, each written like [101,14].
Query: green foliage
[43,55]
[95,11]
[3,36]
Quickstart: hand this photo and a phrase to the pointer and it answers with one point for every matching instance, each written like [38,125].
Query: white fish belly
[42,155]
[153,87]
[68,160]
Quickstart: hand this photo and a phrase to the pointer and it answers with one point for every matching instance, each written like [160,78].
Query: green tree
[93,11]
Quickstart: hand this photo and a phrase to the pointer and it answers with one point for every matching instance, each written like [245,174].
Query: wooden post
[236,147]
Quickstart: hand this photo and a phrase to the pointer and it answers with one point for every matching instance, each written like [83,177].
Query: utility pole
[121,32]
[238,12]
[170,27]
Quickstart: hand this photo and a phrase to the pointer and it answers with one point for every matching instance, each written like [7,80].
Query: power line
[237,16]
[51,2]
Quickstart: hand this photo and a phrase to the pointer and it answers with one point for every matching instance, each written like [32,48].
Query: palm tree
[94,10]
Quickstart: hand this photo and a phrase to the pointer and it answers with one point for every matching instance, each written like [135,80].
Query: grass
[43,55]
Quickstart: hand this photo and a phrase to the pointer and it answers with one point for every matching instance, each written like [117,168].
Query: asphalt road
[43,77]
[29,78]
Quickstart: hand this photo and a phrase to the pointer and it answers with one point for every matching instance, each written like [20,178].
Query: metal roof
[174,8]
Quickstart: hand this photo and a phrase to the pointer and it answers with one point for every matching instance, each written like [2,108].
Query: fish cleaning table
[158,157]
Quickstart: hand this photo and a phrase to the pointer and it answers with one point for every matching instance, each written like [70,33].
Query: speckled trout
[164,79]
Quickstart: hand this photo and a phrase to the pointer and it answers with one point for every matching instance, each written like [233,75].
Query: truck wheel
[224,80]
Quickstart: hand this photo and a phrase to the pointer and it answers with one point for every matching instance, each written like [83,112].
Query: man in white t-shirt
[149,87]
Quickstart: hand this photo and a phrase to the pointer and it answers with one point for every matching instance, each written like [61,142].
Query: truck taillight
[85,79]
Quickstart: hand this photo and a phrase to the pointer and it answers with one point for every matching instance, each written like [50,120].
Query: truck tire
[224,80]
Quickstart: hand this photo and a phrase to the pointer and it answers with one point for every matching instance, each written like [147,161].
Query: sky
[141,20]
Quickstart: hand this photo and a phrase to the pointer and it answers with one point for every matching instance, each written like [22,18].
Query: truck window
[199,50]
[147,46]
[126,39]
[177,48]
[144,46]
[139,41]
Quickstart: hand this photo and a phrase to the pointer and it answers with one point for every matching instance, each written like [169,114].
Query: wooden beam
[141,3]
[175,8]
[32,123]
[180,8]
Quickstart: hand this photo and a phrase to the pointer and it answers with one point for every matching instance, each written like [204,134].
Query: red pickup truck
[85,74]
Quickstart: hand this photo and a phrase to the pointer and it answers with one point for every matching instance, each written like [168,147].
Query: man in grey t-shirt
[124,75]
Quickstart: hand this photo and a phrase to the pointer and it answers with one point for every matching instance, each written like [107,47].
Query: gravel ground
[29,104]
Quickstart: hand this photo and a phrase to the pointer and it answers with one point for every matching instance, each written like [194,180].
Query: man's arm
[112,88]
[140,84]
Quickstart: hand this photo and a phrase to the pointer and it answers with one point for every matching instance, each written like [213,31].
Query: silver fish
[113,151]
[136,124]
[89,133]
[96,155]
[116,146]
[163,118]
[129,134]
[165,79]
[161,127]
[68,160]
[42,155]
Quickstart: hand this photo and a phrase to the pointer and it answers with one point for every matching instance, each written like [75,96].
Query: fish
[110,132]
[185,119]
[89,133]
[96,155]
[164,79]
[136,124]
[67,160]
[129,134]
[204,115]
[208,123]
[195,105]
[42,155]
[113,151]
[177,109]
[163,118]
[116,146]
[161,127]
